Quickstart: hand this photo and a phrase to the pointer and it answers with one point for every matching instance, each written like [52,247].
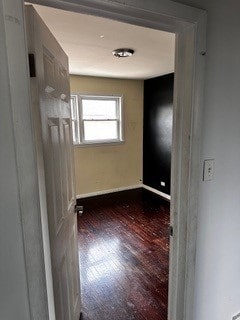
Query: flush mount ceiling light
[123,52]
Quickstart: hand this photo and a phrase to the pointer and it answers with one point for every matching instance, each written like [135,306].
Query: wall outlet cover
[208,169]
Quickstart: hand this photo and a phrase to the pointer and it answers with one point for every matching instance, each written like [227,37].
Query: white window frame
[79,127]
[74,101]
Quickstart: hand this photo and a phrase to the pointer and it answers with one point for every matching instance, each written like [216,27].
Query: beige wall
[107,167]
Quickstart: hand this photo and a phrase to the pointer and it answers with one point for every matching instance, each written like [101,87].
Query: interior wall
[14,295]
[218,243]
[106,167]
[157,132]
[14,303]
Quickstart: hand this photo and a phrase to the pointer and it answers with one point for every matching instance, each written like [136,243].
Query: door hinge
[170,230]
[78,210]
[32,66]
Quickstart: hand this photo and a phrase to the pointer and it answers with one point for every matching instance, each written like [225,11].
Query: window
[96,119]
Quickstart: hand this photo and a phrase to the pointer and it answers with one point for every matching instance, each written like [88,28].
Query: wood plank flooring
[124,251]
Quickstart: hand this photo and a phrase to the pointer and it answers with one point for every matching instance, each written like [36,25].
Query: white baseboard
[98,193]
[162,194]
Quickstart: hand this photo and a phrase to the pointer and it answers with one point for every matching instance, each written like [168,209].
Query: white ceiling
[89,42]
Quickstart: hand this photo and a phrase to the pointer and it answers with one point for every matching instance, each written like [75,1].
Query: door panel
[68,163]
[49,71]
[64,84]
[73,270]
[51,93]
[54,174]
[64,289]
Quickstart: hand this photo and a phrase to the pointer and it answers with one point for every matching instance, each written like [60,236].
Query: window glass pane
[100,130]
[99,109]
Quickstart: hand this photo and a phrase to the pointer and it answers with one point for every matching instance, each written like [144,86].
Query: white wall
[218,244]
[13,283]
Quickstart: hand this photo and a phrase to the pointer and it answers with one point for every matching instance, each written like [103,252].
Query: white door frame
[189,25]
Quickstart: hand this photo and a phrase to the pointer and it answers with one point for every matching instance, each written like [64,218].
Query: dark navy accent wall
[157,132]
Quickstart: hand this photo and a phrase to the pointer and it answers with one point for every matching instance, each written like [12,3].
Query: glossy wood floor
[124,248]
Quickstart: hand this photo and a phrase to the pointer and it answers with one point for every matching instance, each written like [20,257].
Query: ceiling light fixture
[123,52]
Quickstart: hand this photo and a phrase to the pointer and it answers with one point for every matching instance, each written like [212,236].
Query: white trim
[17,80]
[189,25]
[86,145]
[80,122]
[98,193]
[75,118]
[162,194]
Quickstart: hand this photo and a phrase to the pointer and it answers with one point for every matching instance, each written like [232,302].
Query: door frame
[189,25]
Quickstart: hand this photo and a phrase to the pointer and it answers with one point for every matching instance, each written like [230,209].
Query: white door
[51,114]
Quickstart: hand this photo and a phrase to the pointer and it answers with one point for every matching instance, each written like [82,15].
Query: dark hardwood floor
[124,250]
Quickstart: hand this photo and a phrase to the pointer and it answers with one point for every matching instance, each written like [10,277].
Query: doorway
[105,167]
[182,131]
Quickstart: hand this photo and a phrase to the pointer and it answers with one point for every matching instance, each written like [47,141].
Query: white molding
[189,25]
[171,16]
[137,186]
[119,111]
[25,157]
[98,193]
[162,194]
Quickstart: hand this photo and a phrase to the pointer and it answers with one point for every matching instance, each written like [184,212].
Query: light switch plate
[163,184]
[208,170]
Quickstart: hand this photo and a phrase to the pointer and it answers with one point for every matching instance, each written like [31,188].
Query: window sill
[99,144]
